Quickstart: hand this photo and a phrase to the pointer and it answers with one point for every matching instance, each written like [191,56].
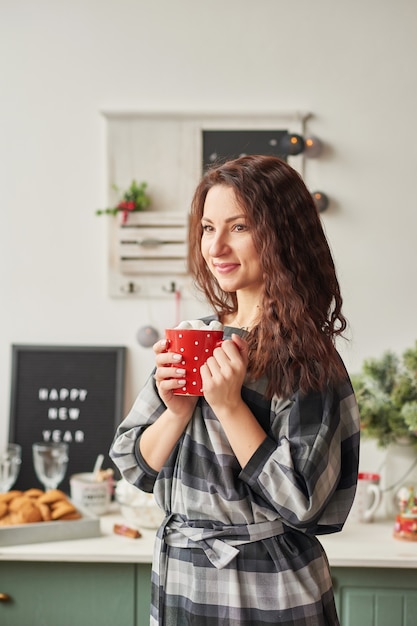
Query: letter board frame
[66,393]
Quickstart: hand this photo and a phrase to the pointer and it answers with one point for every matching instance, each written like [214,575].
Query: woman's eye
[209,228]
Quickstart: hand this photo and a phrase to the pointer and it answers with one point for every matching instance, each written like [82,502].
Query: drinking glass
[10,460]
[50,461]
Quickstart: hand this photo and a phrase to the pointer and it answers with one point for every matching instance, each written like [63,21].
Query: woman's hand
[223,377]
[224,372]
[159,439]
[169,376]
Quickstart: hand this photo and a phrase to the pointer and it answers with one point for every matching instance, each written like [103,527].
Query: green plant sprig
[386,391]
[132,200]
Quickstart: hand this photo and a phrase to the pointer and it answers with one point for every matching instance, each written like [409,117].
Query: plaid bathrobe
[238,546]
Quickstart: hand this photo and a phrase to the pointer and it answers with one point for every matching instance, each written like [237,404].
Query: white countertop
[358,545]
[369,545]
[108,548]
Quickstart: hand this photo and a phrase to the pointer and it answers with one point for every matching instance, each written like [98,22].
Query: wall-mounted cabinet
[147,253]
[150,253]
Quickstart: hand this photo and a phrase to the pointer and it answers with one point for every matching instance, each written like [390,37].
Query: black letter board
[65,393]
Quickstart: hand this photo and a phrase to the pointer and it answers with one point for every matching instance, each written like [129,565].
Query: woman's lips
[225,268]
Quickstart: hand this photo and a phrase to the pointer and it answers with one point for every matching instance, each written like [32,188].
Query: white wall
[61,63]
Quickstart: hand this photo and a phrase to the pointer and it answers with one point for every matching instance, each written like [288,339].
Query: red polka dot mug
[195,346]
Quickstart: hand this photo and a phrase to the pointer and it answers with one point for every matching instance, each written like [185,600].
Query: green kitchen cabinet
[143,593]
[40,593]
[74,594]
[376,596]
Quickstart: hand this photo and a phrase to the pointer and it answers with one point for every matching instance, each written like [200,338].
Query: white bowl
[147,515]
[139,509]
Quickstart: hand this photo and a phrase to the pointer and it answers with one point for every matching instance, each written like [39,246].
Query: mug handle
[375,490]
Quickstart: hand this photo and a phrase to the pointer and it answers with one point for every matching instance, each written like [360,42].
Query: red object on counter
[405,528]
[121,529]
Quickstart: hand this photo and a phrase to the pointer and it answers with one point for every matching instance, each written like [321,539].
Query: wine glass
[50,461]
[10,460]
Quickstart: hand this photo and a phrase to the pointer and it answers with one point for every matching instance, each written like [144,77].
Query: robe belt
[218,543]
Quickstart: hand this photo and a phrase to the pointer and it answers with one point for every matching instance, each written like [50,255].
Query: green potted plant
[133,199]
[386,391]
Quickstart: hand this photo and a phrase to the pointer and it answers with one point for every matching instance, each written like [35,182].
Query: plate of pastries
[36,506]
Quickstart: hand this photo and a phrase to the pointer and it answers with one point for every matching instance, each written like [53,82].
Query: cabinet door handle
[4,597]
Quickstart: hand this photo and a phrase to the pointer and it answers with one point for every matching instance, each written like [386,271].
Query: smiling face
[227,245]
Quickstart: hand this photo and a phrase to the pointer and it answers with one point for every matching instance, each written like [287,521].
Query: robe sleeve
[306,468]
[124,450]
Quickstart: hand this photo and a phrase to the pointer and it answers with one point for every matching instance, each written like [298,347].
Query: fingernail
[163,343]
[180,371]
[181,382]
[176,357]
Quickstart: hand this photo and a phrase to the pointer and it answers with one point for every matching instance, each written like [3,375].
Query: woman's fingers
[167,373]
[228,361]
[160,346]
[233,351]
[170,376]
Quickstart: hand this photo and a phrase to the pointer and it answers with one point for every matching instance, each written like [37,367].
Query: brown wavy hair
[301,308]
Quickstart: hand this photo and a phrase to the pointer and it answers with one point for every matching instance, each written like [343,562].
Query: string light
[292,144]
[320,200]
[313,147]
[147,336]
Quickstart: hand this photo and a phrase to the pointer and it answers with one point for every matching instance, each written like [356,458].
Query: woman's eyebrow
[229,219]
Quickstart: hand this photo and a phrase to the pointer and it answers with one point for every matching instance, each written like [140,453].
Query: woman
[268,458]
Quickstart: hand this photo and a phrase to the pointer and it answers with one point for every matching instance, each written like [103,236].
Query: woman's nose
[218,245]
